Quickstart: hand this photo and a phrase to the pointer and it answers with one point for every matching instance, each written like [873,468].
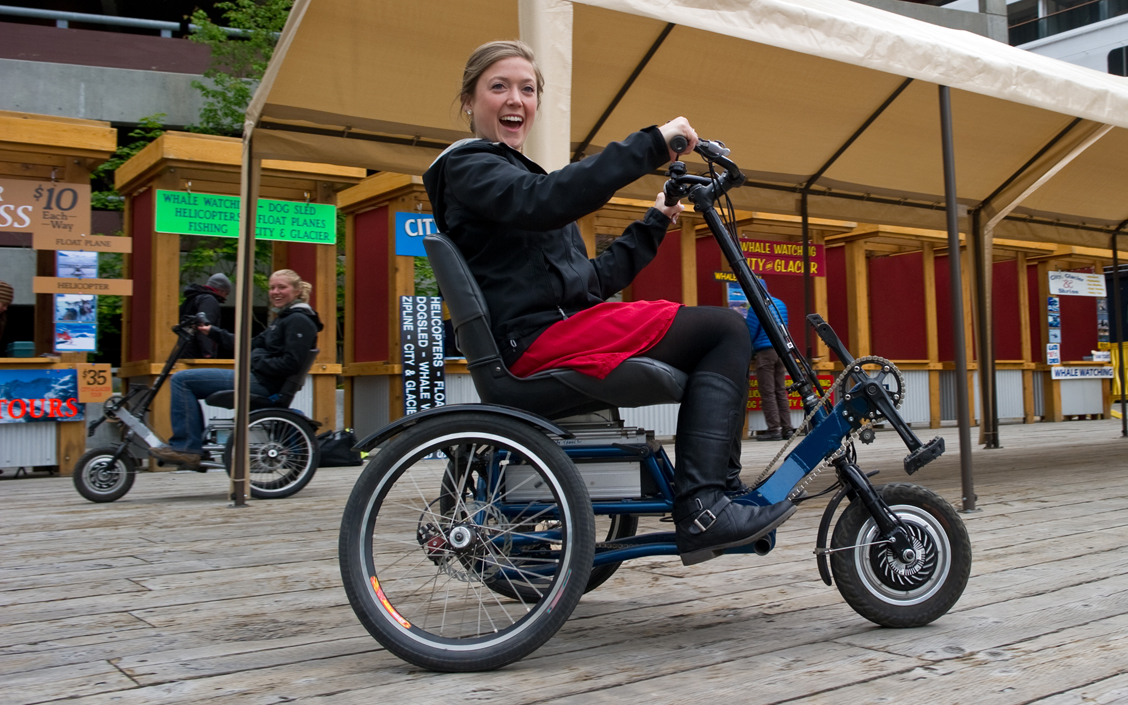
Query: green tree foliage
[237,62]
[103,195]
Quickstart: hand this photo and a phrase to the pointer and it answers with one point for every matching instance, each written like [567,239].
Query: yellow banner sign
[58,285]
[84,243]
[44,207]
[95,383]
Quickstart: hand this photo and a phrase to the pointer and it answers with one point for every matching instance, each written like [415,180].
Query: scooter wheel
[284,453]
[902,591]
[99,480]
[444,514]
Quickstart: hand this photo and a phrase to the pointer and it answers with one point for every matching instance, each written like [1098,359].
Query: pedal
[924,455]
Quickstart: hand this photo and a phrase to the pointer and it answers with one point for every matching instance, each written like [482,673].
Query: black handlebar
[678,143]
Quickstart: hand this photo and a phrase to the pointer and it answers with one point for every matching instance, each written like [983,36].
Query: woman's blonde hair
[489,54]
[295,280]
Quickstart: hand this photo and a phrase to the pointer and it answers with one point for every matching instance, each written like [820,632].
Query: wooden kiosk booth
[54,156]
[192,167]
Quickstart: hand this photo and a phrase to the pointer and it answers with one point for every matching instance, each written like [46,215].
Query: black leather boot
[734,486]
[706,520]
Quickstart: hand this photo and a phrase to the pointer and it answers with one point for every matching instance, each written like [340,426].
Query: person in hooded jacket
[276,353]
[206,299]
[514,224]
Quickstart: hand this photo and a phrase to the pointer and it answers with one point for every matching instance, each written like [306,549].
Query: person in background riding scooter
[514,225]
[206,300]
[276,353]
[769,375]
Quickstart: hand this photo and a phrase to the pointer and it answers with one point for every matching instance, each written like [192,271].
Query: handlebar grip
[678,143]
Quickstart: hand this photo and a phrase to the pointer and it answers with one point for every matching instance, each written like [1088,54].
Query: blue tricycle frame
[900,553]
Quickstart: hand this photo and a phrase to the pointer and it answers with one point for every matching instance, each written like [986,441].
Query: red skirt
[596,340]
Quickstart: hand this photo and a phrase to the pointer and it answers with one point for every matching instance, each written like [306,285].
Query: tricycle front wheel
[99,478]
[883,587]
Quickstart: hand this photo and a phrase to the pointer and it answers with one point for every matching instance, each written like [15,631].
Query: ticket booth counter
[1076,387]
[188,164]
[52,152]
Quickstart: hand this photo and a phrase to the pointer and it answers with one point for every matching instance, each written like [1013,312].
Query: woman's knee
[735,332]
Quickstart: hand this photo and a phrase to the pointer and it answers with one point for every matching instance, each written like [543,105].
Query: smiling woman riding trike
[471,536]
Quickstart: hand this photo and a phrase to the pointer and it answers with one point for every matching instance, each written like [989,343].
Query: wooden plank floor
[169,596]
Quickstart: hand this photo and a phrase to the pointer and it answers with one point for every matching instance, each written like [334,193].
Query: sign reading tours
[39,395]
[182,213]
[421,337]
[768,257]
[44,208]
[794,402]
[1077,284]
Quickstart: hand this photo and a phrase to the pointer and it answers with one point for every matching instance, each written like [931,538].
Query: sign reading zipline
[182,213]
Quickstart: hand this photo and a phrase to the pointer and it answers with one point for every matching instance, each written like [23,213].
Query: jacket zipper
[564,315]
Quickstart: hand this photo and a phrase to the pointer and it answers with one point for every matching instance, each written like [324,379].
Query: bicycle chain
[886,367]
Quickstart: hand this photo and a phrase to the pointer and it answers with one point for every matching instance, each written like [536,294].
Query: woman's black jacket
[280,350]
[514,225]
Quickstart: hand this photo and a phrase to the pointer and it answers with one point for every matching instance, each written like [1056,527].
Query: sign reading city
[769,257]
[182,213]
[1077,284]
[44,208]
[410,229]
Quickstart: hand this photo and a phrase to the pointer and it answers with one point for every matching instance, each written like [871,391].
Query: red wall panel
[370,288]
[1078,327]
[661,279]
[1038,350]
[141,303]
[896,298]
[836,309]
[710,292]
[1005,321]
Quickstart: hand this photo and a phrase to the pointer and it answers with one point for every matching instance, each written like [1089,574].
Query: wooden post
[857,297]
[821,306]
[1024,332]
[931,332]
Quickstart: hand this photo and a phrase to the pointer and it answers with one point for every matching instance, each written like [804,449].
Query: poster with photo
[1053,304]
[76,265]
[1055,335]
[737,301]
[76,315]
[1102,321]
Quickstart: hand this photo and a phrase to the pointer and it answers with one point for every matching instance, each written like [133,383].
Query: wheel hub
[911,567]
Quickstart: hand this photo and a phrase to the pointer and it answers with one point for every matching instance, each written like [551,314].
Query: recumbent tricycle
[470,537]
[284,450]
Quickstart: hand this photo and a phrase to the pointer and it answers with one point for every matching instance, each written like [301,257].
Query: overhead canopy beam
[586,142]
[858,133]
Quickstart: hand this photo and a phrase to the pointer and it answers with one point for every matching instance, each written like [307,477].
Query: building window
[1118,61]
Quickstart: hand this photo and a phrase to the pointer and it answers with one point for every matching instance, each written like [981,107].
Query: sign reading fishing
[211,215]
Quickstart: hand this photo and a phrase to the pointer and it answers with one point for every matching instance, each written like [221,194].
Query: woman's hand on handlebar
[679,126]
[670,212]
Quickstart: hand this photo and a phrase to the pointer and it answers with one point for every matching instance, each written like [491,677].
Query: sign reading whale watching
[410,229]
[210,215]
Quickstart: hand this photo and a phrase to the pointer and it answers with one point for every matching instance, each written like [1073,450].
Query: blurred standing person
[6,296]
[206,299]
[770,375]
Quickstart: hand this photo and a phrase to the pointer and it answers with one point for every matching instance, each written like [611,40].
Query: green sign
[206,214]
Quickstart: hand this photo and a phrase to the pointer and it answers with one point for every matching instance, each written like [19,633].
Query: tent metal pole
[988,421]
[956,292]
[244,306]
[807,308]
[1118,315]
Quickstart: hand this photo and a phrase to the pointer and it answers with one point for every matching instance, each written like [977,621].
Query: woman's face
[282,292]
[504,103]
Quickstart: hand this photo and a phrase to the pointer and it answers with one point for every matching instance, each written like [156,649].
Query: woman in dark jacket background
[276,353]
[514,225]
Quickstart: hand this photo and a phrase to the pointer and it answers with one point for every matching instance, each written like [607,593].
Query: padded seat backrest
[469,312]
[296,381]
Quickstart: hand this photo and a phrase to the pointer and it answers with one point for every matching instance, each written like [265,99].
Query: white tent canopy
[825,102]
[784,83]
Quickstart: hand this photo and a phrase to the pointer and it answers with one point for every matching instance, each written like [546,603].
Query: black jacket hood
[304,309]
[194,290]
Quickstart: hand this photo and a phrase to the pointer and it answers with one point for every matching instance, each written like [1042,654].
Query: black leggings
[706,339]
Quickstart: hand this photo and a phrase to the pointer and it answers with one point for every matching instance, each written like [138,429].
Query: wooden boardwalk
[168,596]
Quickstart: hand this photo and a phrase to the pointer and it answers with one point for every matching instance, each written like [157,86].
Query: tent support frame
[1118,316]
[956,287]
[244,302]
[579,153]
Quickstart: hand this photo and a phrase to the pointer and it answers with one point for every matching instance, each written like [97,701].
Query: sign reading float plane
[210,215]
